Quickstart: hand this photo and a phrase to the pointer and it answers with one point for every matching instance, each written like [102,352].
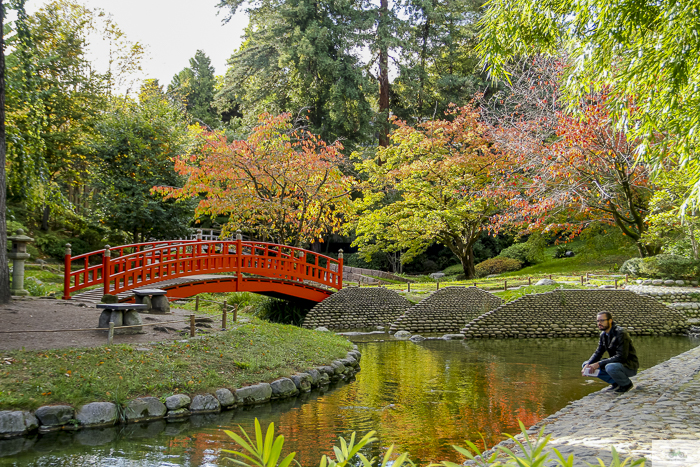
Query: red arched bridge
[190,267]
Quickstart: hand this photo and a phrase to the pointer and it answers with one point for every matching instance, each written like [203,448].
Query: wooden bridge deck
[95,295]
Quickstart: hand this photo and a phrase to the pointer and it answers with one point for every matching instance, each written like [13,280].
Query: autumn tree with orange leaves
[435,183]
[282,182]
[587,172]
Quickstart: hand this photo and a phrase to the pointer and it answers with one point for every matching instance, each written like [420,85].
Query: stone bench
[154,299]
[121,314]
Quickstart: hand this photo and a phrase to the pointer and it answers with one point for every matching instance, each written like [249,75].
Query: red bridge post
[340,269]
[239,259]
[106,257]
[66,273]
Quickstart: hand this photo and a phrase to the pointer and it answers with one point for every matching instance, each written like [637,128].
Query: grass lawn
[510,295]
[250,353]
[579,265]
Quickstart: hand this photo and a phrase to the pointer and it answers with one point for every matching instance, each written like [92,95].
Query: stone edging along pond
[49,418]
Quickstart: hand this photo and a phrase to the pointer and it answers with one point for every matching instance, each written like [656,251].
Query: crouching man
[622,362]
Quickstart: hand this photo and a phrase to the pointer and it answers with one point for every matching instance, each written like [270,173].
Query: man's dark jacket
[619,347]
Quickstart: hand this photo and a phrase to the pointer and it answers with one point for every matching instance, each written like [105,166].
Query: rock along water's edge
[50,418]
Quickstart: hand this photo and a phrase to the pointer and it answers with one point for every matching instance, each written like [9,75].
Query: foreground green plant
[266,451]
[532,454]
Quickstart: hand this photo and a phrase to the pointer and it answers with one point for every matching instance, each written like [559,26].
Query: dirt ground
[35,314]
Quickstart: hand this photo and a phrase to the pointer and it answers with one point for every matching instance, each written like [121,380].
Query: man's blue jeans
[616,373]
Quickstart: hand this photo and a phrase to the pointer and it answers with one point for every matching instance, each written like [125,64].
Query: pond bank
[175,408]
[661,406]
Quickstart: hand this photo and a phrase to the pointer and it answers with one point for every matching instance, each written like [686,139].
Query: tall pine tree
[193,87]
[302,56]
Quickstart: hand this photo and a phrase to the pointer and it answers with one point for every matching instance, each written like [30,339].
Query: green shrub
[519,251]
[280,311]
[35,287]
[454,269]
[12,227]
[55,246]
[632,266]
[497,265]
[669,266]
[560,251]
[52,245]
[528,253]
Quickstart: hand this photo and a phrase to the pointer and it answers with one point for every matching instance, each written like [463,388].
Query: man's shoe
[622,389]
[611,388]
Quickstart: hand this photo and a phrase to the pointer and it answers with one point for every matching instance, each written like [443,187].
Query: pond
[422,397]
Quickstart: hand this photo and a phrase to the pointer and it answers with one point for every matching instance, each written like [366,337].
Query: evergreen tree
[193,87]
[301,56]
[304,57]
[437,65]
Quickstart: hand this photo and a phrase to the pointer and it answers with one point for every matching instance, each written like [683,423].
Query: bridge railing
[91,265]
[120,270]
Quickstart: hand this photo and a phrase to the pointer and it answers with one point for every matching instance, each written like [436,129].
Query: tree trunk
[468,263]
[45,218]
[423,60]
[382,30]
[4,269]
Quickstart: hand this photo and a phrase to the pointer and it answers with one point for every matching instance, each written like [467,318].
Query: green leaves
[531,452]
[266,451]
[135,151]
[193,88]
[644,52]
[435,183]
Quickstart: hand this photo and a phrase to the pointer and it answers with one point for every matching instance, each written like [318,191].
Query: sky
[171,30]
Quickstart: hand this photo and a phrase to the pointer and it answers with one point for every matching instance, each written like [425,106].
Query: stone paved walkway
[663,405]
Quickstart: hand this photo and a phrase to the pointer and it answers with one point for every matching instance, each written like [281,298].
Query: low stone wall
[571,313]
[690,310]
[50,418]
[357,308]
[667,282]
[675,295]
[446,310]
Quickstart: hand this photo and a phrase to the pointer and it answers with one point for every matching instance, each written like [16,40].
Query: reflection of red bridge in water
[190,267]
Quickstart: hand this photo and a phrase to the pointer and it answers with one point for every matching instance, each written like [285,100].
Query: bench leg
[145,301]
[117,317]
[132,318]
[104,319]
[160,304]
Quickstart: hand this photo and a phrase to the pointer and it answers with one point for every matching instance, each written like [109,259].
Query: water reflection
[421,397]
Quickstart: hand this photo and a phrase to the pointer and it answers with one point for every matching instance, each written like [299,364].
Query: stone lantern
[18,254]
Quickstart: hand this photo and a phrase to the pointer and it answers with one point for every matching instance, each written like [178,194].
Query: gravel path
[39,314]
[662,406]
